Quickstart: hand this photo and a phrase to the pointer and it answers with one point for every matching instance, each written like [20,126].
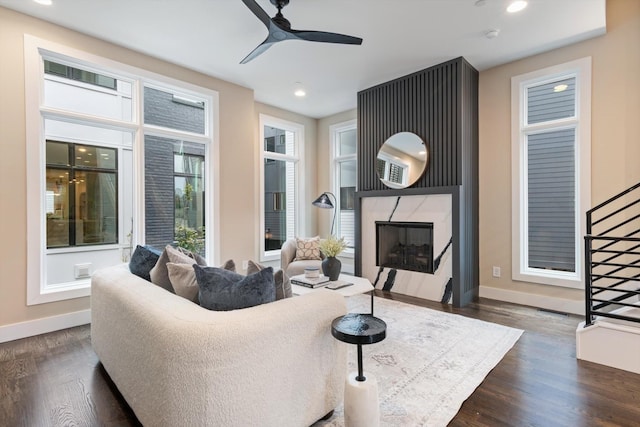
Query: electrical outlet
[245,264]
[496,271]
[82,271]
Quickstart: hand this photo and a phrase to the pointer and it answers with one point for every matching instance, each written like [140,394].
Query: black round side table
[361,408]
[359,329]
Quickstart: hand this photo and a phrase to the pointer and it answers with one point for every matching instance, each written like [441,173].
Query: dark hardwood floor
[56,379]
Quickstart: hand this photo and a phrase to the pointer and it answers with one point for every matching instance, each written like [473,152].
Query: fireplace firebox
[405,245]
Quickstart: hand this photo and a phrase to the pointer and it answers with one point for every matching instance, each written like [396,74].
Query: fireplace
[405,245]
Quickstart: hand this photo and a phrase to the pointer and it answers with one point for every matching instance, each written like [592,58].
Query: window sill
[542,277]
[59,292]
[89,248]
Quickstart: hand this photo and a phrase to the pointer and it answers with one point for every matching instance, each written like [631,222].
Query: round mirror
[401,160]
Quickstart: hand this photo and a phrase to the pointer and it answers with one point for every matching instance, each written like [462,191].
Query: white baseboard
[546,302]
[30,328]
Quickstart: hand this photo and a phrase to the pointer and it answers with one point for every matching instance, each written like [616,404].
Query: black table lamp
[324,202]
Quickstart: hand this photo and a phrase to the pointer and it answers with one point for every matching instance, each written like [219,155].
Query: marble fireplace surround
[434,208]
[451,209]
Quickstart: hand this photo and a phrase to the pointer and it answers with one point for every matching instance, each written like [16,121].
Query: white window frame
[334,182]
[392,160]
[581,122]
[35,50]
[298,159]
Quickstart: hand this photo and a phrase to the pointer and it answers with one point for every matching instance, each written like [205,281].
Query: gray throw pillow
[283,285]
[223,290]
[144,258]
[159,274]
[183,279]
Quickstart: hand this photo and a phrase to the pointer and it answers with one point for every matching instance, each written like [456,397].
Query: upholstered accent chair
[293,266]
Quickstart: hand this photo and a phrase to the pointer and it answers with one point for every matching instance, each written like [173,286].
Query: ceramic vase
[331,267]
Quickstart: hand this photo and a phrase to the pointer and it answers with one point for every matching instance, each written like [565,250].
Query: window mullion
[162,132]
[550,125]
[279,156]
[80,118]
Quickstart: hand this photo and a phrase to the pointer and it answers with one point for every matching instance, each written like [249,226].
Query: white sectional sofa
[178,364]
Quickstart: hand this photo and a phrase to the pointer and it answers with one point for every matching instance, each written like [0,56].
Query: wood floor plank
[57,380]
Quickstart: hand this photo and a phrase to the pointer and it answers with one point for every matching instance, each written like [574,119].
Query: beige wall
[615,141]
[238,142]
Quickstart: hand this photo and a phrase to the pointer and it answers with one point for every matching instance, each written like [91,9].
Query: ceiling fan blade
[258,11]
[324,37]
[257,51]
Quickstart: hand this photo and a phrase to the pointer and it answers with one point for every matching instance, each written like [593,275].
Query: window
[551,172]
[175,179]
[391,170]
[282,145]
[82,190]
[343,151]
[93,129]
[79,75]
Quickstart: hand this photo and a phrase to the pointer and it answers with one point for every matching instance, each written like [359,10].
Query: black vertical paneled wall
[439,104]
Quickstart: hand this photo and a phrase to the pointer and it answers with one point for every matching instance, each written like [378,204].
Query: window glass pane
[395,173]
[551,200]
[347,142]
[279,202]
[172,111]
[96,210]
[189,200]
[380,167]
[279,141]
[57,207]
[94,157]
[551,101]
[347,179]
[58,153]
[81,201]
[174,193]
[79,75]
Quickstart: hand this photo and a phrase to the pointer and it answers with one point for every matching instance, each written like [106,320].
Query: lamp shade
[323,202]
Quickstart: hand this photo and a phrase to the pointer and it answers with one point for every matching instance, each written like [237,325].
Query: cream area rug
[429,363]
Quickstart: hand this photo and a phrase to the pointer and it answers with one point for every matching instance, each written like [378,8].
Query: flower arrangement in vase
[331,247]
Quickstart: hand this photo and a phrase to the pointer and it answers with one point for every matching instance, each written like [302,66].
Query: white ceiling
[400,37]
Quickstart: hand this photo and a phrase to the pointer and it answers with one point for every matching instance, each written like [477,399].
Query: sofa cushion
[183,279]
[159,274]
[283,285]
[308,248]
[223,290]
[144,258]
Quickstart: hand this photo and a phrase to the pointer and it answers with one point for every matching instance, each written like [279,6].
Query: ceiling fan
[280,30]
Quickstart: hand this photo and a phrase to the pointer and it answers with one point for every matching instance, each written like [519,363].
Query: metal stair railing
[612,262]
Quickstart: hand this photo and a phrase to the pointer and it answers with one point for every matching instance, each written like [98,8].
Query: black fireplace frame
[404,265]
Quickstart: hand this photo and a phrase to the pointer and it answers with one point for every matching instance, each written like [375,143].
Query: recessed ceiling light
[516,6]
[44,2]
[560,88]
[299,91]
